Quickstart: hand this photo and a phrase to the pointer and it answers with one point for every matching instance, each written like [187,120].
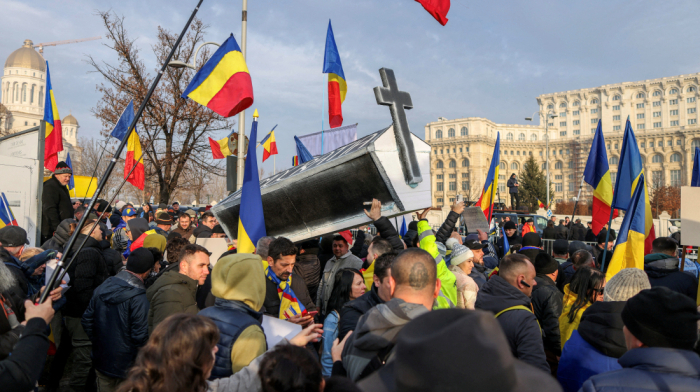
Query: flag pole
[103,181]
[576,203]
[607,238]
[241,116]
[94,171]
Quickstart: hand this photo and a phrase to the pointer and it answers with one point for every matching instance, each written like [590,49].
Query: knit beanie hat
[532,239]
[660,317]
[626,284]
[155,241]
[62,168]
[460,254]
[545,264]
[120,204]
[450,243]
[510,225]
[140,261]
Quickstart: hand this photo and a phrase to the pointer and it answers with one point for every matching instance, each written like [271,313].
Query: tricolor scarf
[368,276]
[289,304]
[139,241]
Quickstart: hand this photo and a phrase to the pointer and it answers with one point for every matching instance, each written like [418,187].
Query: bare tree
[5,120]
[178,128]
[91,165]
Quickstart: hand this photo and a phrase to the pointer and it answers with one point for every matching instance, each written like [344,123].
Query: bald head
[414,269]
[517,270]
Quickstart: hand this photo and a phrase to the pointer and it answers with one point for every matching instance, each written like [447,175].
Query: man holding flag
[56,204]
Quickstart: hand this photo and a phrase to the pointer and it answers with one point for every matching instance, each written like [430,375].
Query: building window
[465,162]
[615,128]
[614,160]
[675,157]
[617,146]
[452,200]
[26,123]
[453,175]
[690,90]
[675,178]
[656,178]
[656,104]
[562,105]
[558,187]
[465,185]
[451,132]
[503,166]
[440,186]
[673,102]
[540,153]
[690,99]
[692,121]
[616,107]
[673,91]
[562,123]
[576,122]
[616,98]
[575,113]
[521,137]
[550,124]
[464,131]
[674,112]
[517,152]
[640,116]
[514,166]
[641,126]
[465,175]
[442,151]
[651,144]
[594,111]
[674,123]
[453,185]
[577,131]
[558,176]
[439,165]
[509,136]
[678,142]
[544,166]
[438,134]
[657,114]
[562,114]
[562,133]
[533,137]
[439,200]
[640,106]
[571,176]
[558,165]
[570,165]
[453,164]
[613,177]
[657,125]
[594,121]
[691,110]
[593,130]
[656,93]
[657,158]
[640,95]
[550,106]
[571,186]
[440,176]
[643,145]
[616,118]
[594,101]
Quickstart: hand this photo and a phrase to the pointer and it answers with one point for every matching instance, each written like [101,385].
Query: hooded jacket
[56,206]
[519,325]
[566,327]
[650,369]
[662,270]
[60,236]
[368,348]
[202,231]
[171,293]
[547,305]
[116,321]
[595,347]
[87,272]
[352,311]
[238,284]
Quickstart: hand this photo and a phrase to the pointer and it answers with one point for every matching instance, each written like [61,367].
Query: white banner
[323,142]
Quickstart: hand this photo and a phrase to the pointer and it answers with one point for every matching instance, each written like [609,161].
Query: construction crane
[69,41]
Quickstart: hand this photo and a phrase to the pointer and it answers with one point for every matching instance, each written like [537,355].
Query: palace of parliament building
[663,114]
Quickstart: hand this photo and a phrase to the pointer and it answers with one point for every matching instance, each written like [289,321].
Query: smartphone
[312,313]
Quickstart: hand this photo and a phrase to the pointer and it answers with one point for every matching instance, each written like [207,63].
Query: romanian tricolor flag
[53,138]
[223,84]
[629,250]
[540,204]
[368,275]
[269,144]
[337,87]
[597,175]
[295,161]
[629,171]
[7,218]
[219,148]
[289,304]
[133,153]
[251,223]
[489,191]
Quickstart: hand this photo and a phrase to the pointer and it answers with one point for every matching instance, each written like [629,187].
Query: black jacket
[359,248]
[601,327]
[515,239]
[202,231]
[272,298]
[20,371]
[578,232]
[113,259]
[519,325]
[309,268]
[590,237]
[56,206]
[662,270]
[353,310]
[562,232]
[549,233]
[87,272]
[547,304]
[511,185]
[116,321]
[60,236]
[388,232]
[19,292]
[445,230]
[598,254]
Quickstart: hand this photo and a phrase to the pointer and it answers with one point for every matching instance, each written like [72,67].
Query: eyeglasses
[600,290]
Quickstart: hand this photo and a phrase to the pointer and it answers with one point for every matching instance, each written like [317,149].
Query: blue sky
[491,60]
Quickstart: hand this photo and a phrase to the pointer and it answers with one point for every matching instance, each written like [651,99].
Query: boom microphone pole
[110,168]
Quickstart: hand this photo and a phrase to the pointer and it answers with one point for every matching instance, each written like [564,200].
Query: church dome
[69,119]
[26,57]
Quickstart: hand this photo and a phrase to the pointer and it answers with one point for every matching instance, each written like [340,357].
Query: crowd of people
[142,308]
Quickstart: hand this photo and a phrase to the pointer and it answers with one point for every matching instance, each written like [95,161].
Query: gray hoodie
[375,336]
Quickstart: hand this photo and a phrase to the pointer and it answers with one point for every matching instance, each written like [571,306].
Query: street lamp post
[241,115]
[549,115]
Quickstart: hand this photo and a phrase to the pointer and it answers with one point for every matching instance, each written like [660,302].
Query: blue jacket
[663,270]
[650,369]
[579,361]
[116,321]
[232,318]
[330,333]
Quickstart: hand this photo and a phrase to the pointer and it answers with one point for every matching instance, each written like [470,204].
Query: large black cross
[390,95]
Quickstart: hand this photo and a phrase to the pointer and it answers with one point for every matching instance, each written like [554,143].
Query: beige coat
[466,288]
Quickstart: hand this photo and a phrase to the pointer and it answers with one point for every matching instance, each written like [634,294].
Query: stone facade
[663,114]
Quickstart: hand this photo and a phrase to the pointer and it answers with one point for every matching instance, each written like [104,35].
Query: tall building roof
[26,57]
[69,119]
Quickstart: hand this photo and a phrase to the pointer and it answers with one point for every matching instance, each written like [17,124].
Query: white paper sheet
[277,329]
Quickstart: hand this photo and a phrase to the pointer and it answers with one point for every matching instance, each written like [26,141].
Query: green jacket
[171,293]
[448,292]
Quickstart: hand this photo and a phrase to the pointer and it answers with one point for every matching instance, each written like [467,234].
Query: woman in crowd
[586,288]
[348,285]
[461,265]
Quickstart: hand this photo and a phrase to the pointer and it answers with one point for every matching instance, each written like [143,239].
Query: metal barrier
[547,245]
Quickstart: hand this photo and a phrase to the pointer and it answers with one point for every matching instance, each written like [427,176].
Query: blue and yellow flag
[695,181]
[597,175]
[629,171]
[404,229]
[69,162]
[251,223]
[629,251]
[7,218]
[489,191]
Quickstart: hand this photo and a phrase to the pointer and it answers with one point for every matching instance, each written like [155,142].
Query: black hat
[114,220]
[660,317]
[62,168]
[576,245]
[12,236]
[510,225]
[202,210]
[162,206]
[456,350]
[529,221]
[173,234]
[545,264]
[176,203]
[473,244]
[532,239]
[560,246]
[163,218]
[603,233]
[218,230]
[102,206]
[140,261]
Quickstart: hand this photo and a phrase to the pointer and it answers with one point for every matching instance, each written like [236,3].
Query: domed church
[22,86]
